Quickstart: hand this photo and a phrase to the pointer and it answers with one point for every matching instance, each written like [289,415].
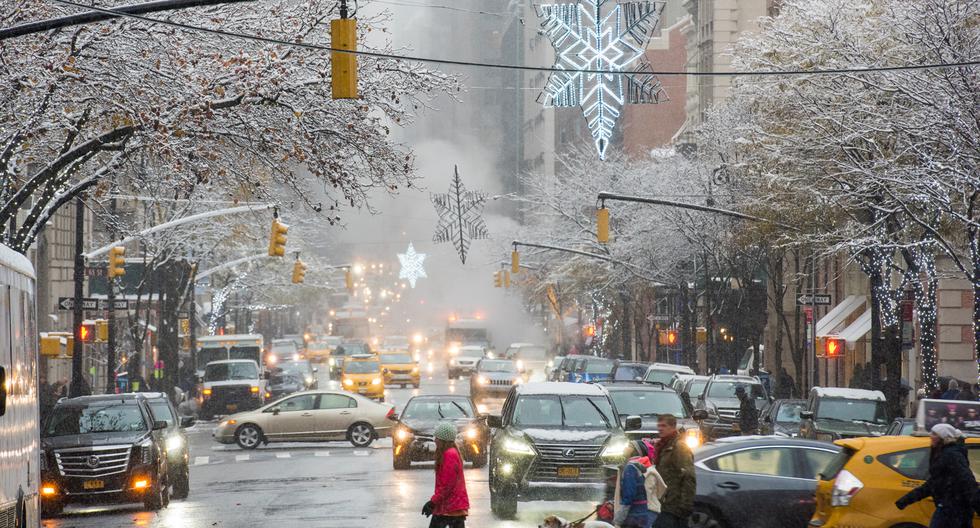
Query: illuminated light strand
[412,265]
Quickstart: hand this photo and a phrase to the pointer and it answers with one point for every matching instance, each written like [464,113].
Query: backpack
[655,488]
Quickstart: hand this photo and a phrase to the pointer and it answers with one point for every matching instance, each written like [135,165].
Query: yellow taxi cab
[859,487]
[362,375]
[400,368]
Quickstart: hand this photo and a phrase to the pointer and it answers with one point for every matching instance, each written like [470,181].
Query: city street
[309,485]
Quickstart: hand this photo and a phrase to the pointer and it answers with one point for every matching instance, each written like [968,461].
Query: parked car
[283,384]
[758,482]
[663,372]
[311,416]
[304,369]
[230,386]
[413,440]
[362,375]
[493,378]
[721,404]
[399,368]
[464,362]
[565,367]
[174,441]
[833,413]
[591,369]
[105,449]
[782,418]
[649,401]
[552,441]
[628,371]
[901,427]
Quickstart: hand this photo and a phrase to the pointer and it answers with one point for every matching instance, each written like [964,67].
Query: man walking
[748,415]
[675,463]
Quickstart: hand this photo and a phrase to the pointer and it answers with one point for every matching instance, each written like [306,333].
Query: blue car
[591,369]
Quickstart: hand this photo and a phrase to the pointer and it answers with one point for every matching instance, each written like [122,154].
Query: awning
[834,318]
[858,329]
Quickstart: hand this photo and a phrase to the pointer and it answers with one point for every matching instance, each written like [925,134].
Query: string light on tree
[601,35]
[412,265]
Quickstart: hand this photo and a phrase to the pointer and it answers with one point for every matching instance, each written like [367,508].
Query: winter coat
[748,415]
[950,394]
[675,463]
[951,483]
[450,495]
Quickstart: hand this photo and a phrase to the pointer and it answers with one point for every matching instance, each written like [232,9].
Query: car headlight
[402,434]
[693,438]
[472,433]
[482,380]
[518,380]
[452,361]
[520,365]
[415,370]
[453,350]
[309,380]
[271,359]
[331,362]
[376,381]
[846,485]
[551,364]
[517,446]
[615,448]
[491,355]
[348,382]
[174,443]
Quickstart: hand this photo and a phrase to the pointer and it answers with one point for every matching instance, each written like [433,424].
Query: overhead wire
[520,67]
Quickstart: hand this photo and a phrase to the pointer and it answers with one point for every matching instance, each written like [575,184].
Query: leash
[583,519]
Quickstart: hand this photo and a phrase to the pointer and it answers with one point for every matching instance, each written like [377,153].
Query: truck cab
[232,386]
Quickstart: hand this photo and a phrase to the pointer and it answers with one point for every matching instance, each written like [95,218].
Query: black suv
[175,442]
[649,401]
[103,449]
[552,442]
[721,404]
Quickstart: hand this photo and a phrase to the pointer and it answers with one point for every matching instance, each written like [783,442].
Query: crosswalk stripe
[201,460]
[361,453]
[242,458]
[322,453]
[283,455]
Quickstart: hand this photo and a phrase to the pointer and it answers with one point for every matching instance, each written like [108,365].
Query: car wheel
[503,504]
[157,497]
[416,385]
[248,436]
[182,483]
[705,517]
[480,460]
[360,434]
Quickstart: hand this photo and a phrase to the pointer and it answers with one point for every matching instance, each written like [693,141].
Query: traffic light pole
[78,385]
[110,369]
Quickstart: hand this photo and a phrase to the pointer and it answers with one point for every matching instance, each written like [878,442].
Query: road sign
[807,299]
[98,271]
[91,303]
[658,318]
[117,304]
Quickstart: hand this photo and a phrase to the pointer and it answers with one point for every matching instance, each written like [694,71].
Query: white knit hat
[947,433]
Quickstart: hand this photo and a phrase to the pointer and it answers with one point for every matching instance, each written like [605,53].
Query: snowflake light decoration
[586,38]
[459,216]
[411,265]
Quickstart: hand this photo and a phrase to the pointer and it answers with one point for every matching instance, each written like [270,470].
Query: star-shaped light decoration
[601,35]
[411,265]
[459,216]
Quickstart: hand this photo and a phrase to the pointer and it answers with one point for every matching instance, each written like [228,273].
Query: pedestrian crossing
[224,457]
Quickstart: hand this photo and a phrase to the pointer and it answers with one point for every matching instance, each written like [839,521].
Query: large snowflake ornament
[411,265]
[601,35]
[459,216]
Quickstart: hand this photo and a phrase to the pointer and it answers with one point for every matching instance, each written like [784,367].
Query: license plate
[232,407]
[568,472]
[93,484]
[362,391]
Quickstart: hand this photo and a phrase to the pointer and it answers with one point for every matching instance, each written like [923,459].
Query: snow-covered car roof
[850,394]
[561,388]
[671,367]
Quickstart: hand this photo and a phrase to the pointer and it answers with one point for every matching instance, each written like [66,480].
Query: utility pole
[78,385]
[110,372]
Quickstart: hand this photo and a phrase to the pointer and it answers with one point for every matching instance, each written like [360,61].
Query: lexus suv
[103,449]
[551,443]
[721,403]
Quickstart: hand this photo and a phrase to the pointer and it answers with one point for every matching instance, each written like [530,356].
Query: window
[231,371]
[789,412]
[297,403]
[815,462]
[336,401]
[776,461]
[362,367]
[913,464]
[161,412]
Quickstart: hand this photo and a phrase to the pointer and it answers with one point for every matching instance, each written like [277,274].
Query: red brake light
[391,414]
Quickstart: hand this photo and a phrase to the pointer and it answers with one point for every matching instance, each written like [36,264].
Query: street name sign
[807,299]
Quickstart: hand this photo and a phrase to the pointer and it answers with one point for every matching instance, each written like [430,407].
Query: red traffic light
[672,337]
[86,332]
[589,330]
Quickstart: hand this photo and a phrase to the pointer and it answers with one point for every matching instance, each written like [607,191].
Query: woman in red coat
[449,505]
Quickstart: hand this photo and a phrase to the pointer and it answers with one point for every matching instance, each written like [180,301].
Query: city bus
[19,420]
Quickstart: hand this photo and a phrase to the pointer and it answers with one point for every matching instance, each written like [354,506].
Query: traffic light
[117,261]
[662,337]
[343,66]
[833,347]
[515,262]
[506,278]
[602,225]
[277,238]
[86,332]
[671,337]
[498,279]
[349,280]
[701,335]
[101,330]
[299,271]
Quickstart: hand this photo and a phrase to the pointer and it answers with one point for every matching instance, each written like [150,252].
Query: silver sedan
[310,416]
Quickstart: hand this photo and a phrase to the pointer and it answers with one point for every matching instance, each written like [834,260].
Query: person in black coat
[748,415]
[950,484]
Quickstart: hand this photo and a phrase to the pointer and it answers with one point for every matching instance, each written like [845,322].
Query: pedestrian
[966,394]
[952,390]
[951,483]
[450,504]
[748,415]
[675,463]
[637,508]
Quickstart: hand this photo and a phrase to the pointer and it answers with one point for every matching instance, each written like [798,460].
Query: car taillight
[391,414]
[846,485]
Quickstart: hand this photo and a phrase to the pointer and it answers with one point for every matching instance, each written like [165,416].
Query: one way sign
[68,303]
[808,299]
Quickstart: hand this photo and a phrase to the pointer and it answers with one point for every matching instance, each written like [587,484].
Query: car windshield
[497,366]
[284,346]
[396,342]
[96,418]
[598,366]
[298,367]
[438,409]
[471,352]
[532,353]
[230,371]
[629,372]
[350,349]
[661,376]
[548,410]
[852,410]
[697,387]
[362,367]
[285,378]
[726,389]
[790,412]
[207,355]
[318,346]
[396,359]
[648,403]
[244,352]
[161,412]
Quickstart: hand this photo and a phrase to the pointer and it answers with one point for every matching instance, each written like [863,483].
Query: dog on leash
[553,521]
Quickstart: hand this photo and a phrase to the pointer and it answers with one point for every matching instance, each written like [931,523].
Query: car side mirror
[806,415]
[767,419]
[633,423]
[200,379]
[494,421]
[700,415]
[187,421]
[275,412]
[159,425]
[384,371]
[315,369]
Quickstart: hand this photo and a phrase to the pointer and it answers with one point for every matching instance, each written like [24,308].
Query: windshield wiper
[598,410]
[439,410]
[461,409]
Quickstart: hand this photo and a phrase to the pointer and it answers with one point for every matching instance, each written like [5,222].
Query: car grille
[728,414]
[231,392]
[91,462]
[552,456]
[501,382]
